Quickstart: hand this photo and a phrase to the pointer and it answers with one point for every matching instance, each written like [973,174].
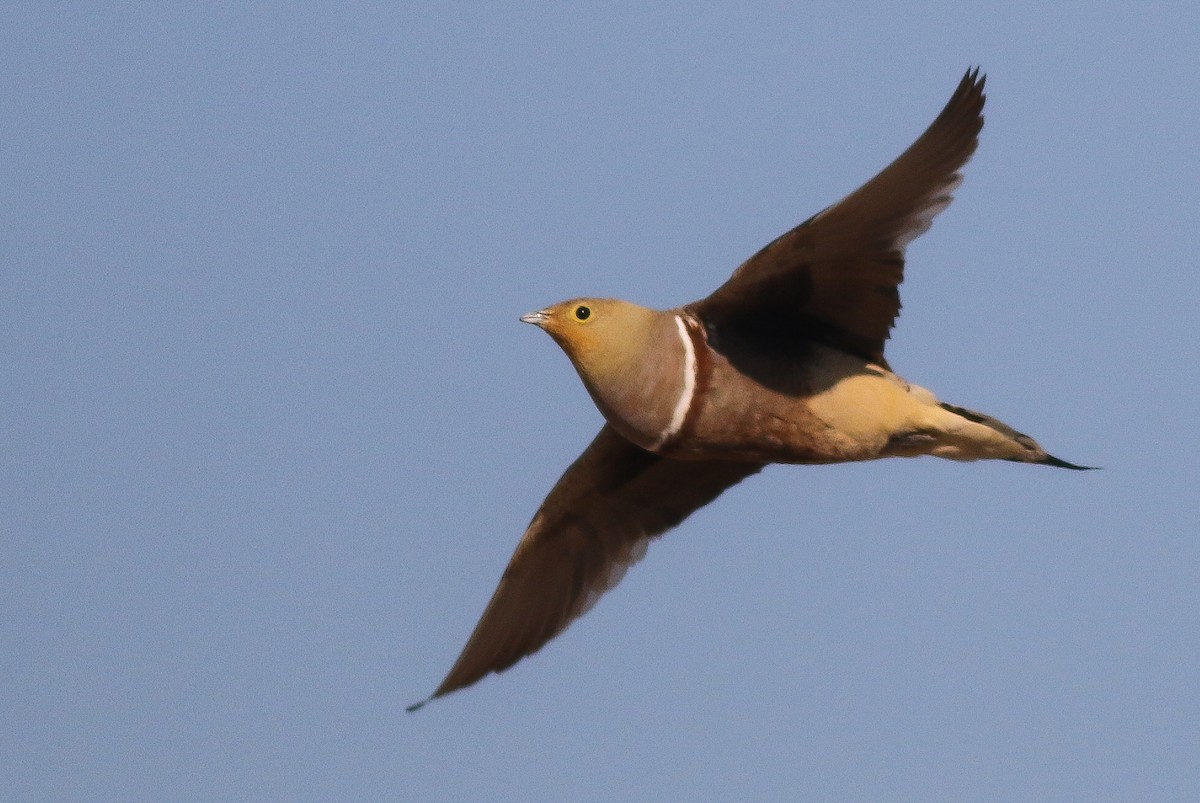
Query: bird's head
[604,337]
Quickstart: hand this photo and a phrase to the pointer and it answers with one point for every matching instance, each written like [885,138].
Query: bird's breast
[651,397]
[685,399]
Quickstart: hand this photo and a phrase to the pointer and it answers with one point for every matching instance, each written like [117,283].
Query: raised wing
[594,525]
[834,277]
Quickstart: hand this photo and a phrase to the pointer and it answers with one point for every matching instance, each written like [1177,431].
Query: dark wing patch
[594,525]
[835,277]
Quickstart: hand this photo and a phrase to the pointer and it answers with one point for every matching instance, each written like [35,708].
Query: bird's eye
[582,313]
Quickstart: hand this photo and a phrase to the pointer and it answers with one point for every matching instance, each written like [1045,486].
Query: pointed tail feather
[1033,452]
[1051,460]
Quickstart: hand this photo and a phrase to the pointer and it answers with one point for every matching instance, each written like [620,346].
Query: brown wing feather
[835,276]
[594,525]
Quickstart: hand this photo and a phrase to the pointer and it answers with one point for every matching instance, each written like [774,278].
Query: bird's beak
[539,318]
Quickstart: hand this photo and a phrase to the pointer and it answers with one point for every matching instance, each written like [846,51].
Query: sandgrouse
[782,364]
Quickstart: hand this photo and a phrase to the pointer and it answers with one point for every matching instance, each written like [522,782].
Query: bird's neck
[647,394]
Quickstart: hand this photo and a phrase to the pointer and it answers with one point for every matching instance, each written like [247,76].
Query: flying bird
[783,363]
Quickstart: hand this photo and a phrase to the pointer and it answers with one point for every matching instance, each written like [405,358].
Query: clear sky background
[271,428]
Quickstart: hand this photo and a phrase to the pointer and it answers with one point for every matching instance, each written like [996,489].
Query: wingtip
[417,706]
[974,81]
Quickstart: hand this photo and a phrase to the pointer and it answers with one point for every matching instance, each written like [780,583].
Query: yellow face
[576,325]
[598,334]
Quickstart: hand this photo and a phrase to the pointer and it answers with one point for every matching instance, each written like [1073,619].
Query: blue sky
[272,429]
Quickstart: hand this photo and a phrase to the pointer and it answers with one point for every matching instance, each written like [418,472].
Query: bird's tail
[1012,445]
